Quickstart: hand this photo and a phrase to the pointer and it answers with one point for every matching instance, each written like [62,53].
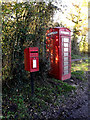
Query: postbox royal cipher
[31,59]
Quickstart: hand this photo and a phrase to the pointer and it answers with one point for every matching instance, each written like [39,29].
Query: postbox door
[34,63]
[66,55]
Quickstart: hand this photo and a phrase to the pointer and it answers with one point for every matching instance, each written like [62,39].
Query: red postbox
[58,47]
[31,59]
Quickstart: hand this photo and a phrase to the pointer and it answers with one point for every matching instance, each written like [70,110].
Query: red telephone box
[58,47]
[31,59]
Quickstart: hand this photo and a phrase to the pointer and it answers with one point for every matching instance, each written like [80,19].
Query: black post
[32,83]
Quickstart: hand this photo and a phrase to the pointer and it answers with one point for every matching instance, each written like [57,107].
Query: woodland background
[24,25]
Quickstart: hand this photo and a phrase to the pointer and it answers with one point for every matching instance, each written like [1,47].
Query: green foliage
[80,66]
[74,56]
[15,108]
[24,25]
[79,29]
[63,87]
[89,48]
[78,70]
[83,46]
[45,95]
[19,104]
[78,75]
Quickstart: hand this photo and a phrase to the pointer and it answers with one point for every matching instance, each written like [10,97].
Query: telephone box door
[66,57]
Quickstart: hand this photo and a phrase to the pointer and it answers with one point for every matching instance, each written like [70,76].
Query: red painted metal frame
[31,54]
[55,36]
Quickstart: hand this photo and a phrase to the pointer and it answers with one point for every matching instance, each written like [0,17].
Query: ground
[76,104]
[73,106]
[54,100]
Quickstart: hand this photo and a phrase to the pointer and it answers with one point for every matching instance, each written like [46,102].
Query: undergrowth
[20,104]
[79,69]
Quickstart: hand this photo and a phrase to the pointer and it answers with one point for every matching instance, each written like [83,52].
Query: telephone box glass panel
[65,63]
[65,58]
[65,72]
[65,44]
[65,68]
[66,39]
[65,54]
[66,49]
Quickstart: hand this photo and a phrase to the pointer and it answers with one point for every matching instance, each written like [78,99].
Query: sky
[58,17]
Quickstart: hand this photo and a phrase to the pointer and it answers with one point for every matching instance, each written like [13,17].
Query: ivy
[24,25]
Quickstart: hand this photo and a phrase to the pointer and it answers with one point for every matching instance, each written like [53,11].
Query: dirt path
[75,105]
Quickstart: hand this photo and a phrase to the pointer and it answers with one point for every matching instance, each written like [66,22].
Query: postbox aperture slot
[34,51]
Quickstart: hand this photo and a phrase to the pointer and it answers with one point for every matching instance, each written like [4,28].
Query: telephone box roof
[62,28]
